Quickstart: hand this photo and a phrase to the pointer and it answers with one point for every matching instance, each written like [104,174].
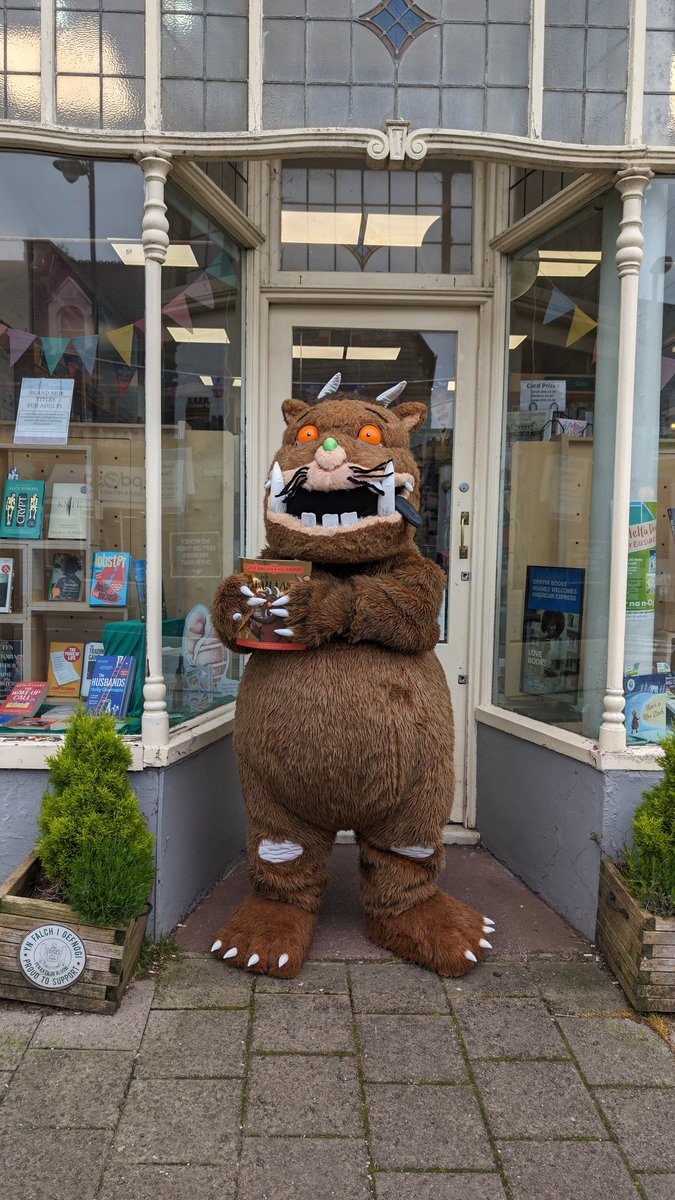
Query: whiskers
[296,481]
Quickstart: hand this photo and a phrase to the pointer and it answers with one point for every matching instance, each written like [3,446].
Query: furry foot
[268,937]
[442,934]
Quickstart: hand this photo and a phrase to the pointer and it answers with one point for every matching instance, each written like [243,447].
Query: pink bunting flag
[178,311]
[667,370]
[2,328]
[201,291]
[19,341]
[140,324]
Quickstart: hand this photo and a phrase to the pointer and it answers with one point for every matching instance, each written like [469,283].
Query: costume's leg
[271,931]
[405,910]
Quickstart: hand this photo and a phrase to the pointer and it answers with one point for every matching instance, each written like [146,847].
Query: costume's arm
[228,608]
[397,608]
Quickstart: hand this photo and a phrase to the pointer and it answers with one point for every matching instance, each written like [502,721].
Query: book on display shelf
[110,578]
[111,685]
[23,508]
[66,660]
[68,511]
[92,651]
[6,584]
[11,665]
[24,699]
[66,577]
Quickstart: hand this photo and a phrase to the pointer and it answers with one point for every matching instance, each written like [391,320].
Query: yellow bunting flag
[581,324]
[123,341]
[523,275]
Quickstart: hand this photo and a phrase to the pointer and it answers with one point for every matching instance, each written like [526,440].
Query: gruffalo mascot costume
[356,731]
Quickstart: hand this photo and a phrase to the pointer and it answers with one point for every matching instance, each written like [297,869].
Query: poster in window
[552,631]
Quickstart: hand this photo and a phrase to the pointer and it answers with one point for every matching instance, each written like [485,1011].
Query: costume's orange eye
[308,433]
[370,433]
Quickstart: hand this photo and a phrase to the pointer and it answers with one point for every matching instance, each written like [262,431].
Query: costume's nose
[330,454]
[330,444]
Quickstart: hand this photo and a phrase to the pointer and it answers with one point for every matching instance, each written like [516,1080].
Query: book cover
[66,577]
[650,707]
[271,580]
[68,511]
[110,578]
[24,699]
[112,684]
[11,666]
[554,601]
[6,584]
[66,660]
[140,579]
[92,650]
[23,508]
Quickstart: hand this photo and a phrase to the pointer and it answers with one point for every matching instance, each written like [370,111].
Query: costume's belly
[345,731]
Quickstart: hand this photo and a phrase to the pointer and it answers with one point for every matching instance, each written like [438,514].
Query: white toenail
[488,920]
[279,852]
[231,953]
[216,945]
[470,955]
[484,944]
[253,960]
[283,959]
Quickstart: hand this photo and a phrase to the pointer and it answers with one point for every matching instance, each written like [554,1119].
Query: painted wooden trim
[404,291]
[191,737]
[537,35]
[552,211]
[219,206]
[153,59]
[255,64]
[47,62]
[637,49]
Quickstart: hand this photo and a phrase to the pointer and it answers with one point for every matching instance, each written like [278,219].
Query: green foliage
[109,883]
[650,866]
[90,804]
[154,955]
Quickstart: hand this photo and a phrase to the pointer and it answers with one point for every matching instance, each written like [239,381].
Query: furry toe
[267,937]
[441,933]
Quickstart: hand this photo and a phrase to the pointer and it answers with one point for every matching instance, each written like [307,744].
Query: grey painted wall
[540,813]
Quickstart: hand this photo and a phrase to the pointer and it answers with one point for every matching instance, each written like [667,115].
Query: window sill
[573,745]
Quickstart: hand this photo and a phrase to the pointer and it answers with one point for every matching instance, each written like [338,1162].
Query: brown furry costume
[356,732]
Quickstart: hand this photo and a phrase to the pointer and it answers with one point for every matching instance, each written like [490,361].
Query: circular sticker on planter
[52,957]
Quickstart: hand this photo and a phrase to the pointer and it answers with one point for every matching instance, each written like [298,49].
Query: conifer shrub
[91,816]
[649,867]
[109,884]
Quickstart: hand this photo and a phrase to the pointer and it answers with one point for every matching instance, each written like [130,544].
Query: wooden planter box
[111,953]
[639,947]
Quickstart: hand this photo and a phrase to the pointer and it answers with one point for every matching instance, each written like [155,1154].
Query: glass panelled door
[435,353]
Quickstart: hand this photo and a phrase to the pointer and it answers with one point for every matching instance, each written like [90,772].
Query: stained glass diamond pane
[397,23]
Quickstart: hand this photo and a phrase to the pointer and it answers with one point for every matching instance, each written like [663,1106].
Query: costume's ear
[292,409]
[412,415]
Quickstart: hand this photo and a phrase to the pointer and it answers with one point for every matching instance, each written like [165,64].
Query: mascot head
[344,486]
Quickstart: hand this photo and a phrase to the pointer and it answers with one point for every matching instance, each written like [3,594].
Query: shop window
[529,188]
[349,219]
[557,471]
[72,435]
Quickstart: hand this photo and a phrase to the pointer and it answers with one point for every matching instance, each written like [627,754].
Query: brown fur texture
[356,732]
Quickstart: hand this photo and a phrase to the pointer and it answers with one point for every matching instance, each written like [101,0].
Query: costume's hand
[230,607]
[314,610]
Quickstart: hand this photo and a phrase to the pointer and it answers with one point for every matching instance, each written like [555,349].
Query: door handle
[463,524]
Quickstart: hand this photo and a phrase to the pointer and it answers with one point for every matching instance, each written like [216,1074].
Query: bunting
[178,311]
[202,291]
[558,305]
[223,269]
[523,275]
[581,325]
[667,371]
[124,377]
[53,349]
[85,348]
[18,344]
[123,341]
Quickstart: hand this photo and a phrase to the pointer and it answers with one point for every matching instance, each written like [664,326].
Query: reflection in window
[348,219]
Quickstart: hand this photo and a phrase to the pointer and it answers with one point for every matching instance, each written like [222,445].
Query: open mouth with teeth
[370,499]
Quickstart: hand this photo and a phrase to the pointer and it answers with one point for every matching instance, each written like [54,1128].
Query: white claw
[470,955]
[231,952]
[255,601]
[253,960]
[282,599]
[486,945]
[283,959]
[236,616]
[246,590]
[216,945]
[488,920]
[279,612]
[285,632]
[488,929]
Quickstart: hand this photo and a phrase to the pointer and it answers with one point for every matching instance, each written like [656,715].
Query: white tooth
[309,520]
[385,503]
[349,518]
[330,520]
[276,503]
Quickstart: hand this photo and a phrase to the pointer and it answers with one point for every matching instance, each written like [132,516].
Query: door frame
[466,315]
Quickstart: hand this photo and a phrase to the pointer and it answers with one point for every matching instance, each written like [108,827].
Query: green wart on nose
[330,444]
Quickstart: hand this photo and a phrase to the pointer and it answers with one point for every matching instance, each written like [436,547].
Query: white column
[631,184]
[155,241]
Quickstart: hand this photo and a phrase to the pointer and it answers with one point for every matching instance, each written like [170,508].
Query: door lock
[463,524]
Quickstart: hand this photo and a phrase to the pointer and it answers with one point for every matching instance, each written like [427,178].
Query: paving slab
[170,1182]
[508,1029]
[187,1121]
[566,1171]
[314,977]
[304,1169]
[493,978]
[615,1050]
[397,1185]
[658,1187]
[643,1120]
[67,1088]
[303,1023]
[188,1042]
[537,1100]
[16,1030]
[396,987]
[60,1164]
[427,1126]
[122,1030]
[5,1077]
[199,982]
[304,1095]
[576,987]
[408,1048]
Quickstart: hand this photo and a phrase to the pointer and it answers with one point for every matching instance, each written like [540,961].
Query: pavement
[363,1079]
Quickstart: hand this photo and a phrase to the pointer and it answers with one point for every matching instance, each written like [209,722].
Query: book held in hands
[111,685]
[270,581]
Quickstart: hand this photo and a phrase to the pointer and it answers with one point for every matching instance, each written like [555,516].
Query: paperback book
[552,631]
[24,699]
[66,577]
[11,665]
[271,579]
[68,512]
[23,508]
[92,650]
[110,578]
[111,684]
[650,707]
[66,660]
[6,583]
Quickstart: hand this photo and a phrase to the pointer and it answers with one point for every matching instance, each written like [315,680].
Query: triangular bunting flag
[53,348]
[667,371]
[86,347]
[523,275]
[123,341]
[124,378]
[201,291]
[140,324]
[581,324]
[18,344]
[558,305]
[2,328]
[177,310]
[221,268]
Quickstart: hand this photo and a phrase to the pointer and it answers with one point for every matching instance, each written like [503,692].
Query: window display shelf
[77,606]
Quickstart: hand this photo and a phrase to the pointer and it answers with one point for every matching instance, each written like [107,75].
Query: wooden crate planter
[111,953]
[639,947]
